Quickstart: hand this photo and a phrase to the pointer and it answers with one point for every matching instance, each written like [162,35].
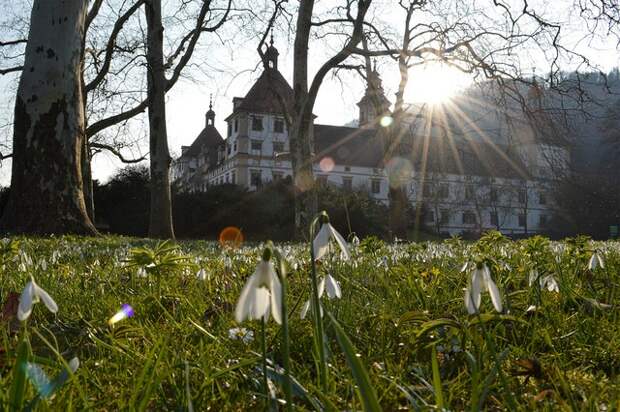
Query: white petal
[495,296]
[304,309]
[260,303]
[276,298]
[46,299]
[242,311]
[26,301]
[469,302]
[321,242]
[74,364]
[476,287]
[533,277]
[341,242]
[321,287]
[333,288]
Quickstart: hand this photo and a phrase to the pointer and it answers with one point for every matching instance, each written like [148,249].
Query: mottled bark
[46,181]
[160,221]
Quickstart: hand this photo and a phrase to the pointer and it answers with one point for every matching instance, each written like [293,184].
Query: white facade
[256,149]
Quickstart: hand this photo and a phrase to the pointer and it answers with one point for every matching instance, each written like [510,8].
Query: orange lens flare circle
[231,236]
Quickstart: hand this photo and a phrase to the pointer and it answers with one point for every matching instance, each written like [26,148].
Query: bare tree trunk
[46,181]
[87,178]
[300,137]
[160,223]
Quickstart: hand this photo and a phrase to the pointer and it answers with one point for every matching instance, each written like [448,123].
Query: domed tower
[271,55]
[374,104]
[210,113]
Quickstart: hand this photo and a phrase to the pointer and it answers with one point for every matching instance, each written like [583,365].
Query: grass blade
[366,391]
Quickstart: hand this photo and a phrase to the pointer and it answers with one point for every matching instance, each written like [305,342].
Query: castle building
[463,175]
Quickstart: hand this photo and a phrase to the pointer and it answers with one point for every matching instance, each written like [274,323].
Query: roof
[348,145]
[434,153]
[268,94]
[209,137]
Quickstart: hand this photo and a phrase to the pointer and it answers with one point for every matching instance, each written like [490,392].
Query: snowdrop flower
[546,282]
[480,278]
[261,294]
[333,291]
[595,261]
[332,287]
[550,283]
[32,294]
[202,274]
[321,241]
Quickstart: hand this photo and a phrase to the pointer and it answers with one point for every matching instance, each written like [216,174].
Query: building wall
[449,200]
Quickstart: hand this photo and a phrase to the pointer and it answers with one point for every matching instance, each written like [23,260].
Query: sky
[225,72]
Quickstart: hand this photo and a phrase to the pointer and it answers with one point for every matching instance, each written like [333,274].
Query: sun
[434,83]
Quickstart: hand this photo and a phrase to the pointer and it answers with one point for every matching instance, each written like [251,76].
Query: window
[228,149]
[235,146]
[321,179]
[542,220]
[427,190]
[277,176]
[227,177]
[469,218]
[444,217]
[236,125]
[257,123]
[255,178]
[494,219]
[233,177]
[522,196]
[375,186]
[278,147]
[278,126]
[469,192]
[522,220]
[542,199]
[430,216]
[256,145]
[347,183]
[493,195]
[444,191]
[347,168]
[229,129]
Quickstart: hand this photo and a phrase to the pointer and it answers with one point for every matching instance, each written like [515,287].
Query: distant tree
[124,201]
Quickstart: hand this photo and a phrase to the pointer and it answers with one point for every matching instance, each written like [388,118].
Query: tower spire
[210,113]
[271,55]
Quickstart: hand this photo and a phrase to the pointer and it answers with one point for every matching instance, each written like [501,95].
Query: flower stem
[264,350]
[318,323]
[286,353]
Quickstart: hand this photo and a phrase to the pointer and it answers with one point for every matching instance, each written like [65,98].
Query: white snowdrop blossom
[329,284]
[202,274]
[332,287]
[261,294]
[481,277]
[32,294]
[321,242]
[546,282]
[596,261]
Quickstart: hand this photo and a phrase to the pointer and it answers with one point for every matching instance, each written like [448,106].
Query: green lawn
[402,307]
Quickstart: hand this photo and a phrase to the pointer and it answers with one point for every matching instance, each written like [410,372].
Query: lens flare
[125,312]
[231,236]
[398,170]
[327,164]
[386,121]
